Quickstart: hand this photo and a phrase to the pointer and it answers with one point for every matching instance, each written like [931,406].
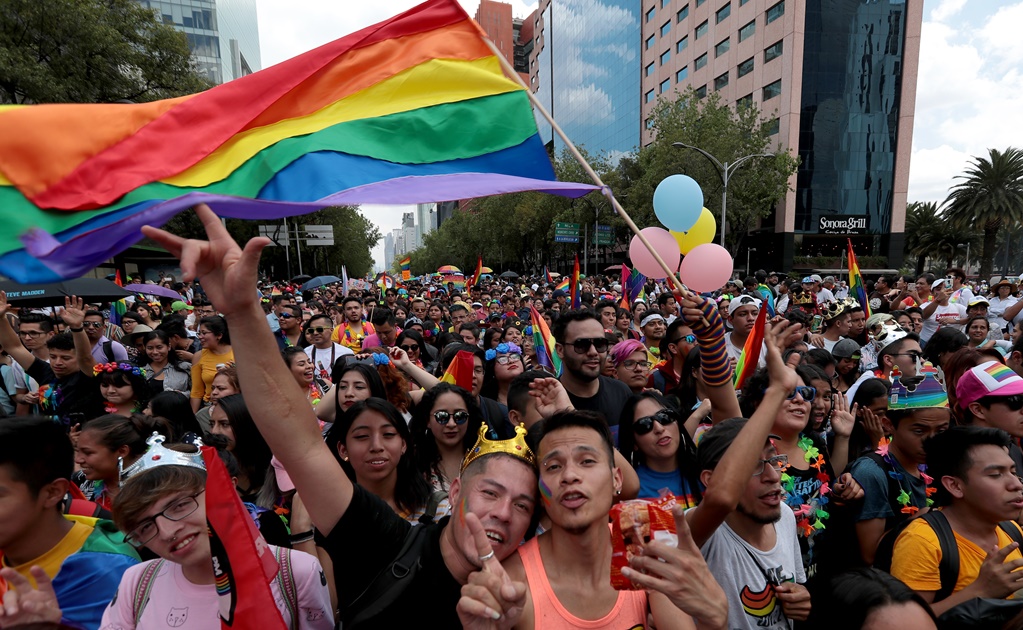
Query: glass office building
[587,72]
[223,34]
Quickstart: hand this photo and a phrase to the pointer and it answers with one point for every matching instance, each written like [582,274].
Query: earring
[618,491]
[346,459]
[120,468]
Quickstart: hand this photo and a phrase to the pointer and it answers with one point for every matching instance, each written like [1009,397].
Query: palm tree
[989,197]
[921,217]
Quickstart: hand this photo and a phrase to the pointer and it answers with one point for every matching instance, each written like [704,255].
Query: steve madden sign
[843,225]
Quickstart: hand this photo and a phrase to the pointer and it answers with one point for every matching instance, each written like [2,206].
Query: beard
[761,519]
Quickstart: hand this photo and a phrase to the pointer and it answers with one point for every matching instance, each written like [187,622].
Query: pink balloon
[706,267]
[665,245]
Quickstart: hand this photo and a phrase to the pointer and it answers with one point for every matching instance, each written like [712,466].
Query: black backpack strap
[894,489]
[108,351]
[1012,529]
[948,566]
[388,586]
[431,506]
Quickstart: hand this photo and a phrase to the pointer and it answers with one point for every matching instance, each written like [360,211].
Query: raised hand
[5,306]
[681,574]
[491,600]
[399,357]
[776,338]
[74,312]
[842,418]
[23,604]
[550,396]
[873,426]
[227,271]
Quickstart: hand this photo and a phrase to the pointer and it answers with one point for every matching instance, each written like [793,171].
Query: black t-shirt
[366,540]
[609,401]
[879,302]
[72,399]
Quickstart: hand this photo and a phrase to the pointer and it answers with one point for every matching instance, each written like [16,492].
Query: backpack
[389,585]
[4,394]
[108,351]
[285,581]
[979,612]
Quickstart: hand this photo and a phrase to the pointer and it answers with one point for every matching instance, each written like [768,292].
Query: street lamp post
[725,171]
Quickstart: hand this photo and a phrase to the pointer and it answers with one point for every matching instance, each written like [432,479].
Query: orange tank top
[629,611]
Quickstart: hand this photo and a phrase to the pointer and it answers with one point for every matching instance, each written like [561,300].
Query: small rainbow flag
[856,286]
[543,342]
[384,281]
[406,268]
[460,370]
[750,357]
[457,281]
[120,307]
[633,286]
[475,277]
[548,278]
[577,298]
[563,285]
[78,181]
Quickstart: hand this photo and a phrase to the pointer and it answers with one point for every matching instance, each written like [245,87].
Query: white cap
[743,300]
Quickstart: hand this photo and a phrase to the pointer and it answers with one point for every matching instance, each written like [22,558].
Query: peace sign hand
[23,604]
[491,600]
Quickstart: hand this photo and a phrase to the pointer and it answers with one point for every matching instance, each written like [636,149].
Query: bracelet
[77,329]
[301,537]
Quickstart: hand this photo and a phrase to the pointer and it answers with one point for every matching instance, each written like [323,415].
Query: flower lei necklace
[904,496]
[809,511]
[314,393]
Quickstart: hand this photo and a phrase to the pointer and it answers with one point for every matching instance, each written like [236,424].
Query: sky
[969,88]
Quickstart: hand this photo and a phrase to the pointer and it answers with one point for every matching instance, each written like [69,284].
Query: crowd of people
[864,476]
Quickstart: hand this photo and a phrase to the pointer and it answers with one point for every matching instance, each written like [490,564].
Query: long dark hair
[175,408]
[115,431]
[173,358]
[855,594]
[120,376]
[491,387]
[411,490]
[251,450]
[685,456]
[218,326]
[426,451]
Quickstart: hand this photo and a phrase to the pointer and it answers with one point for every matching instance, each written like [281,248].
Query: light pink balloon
[706,267]
[665,245]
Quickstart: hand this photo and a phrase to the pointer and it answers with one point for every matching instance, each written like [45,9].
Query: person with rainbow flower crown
[123,387]
[894,478]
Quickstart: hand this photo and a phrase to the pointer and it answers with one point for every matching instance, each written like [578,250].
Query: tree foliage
[989,195]
[929,234]
[91,51]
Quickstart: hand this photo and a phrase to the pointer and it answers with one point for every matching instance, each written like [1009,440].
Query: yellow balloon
[702,232]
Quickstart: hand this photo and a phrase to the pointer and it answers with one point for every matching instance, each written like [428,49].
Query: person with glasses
[104,350]
[502,365]
[675,347]
[658,446]
[84,557]
[991,395]
[163,509]
[444,425]
[582,347]
[323,352]
[34,331]
[289,333]
[216,351]
[629,363]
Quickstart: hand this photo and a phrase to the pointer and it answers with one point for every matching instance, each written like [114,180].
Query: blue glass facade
[852,80]
[589,72]
[222,34]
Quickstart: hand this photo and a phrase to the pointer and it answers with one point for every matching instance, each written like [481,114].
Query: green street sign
[605,238]
[566,226]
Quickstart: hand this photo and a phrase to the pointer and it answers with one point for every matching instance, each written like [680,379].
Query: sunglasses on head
[442,417]
[645,425]
[807,393]
[583,344]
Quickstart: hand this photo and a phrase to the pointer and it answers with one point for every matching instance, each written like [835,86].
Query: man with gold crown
[387,573]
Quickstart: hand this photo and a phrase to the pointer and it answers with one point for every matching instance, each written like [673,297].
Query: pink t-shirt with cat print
[174,602]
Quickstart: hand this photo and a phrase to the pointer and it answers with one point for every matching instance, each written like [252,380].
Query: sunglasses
[807,393]
[645,425]
[1014,403]
[319,330]
[916,355]
[583,344]
[411,348]
[442,417]
[690,339]
[285,316]
[92,324]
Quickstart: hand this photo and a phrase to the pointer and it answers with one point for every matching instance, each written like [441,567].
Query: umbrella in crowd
[319,281]
[509,274]
[53,294]
[301,278]
[153,289]
[449,269]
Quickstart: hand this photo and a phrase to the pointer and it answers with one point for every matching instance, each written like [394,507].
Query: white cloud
[947,9]
[587,101]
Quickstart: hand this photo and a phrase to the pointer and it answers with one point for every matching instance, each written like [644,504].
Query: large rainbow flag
[856,286]
[77,182]
[750,357]
[543,341]
[633,286]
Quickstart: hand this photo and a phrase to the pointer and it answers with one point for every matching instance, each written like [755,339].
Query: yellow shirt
[52,560]
[205,370]
[917,554]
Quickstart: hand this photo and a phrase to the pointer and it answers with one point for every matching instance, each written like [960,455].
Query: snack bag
[633,524]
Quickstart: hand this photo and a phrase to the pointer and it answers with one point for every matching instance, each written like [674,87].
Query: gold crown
[833,310]
[516,447]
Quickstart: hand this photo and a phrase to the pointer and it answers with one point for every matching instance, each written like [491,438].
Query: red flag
[460,370]
[243,565]
[117,278]
[750,357]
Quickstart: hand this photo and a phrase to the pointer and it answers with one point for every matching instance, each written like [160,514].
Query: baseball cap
[716,441]
[178,305]
[650,318]
[816,278]
[807,280]
[846,349]
[742,300]
[987,379]
[978,301]
[937,283]
[558,293]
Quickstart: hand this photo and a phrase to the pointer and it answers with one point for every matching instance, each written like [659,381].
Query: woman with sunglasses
[163,509]
[650,436]
[415,347]
[631,364]
[444,426]
[502,365]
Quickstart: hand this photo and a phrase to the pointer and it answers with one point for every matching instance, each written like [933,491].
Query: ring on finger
[487,557]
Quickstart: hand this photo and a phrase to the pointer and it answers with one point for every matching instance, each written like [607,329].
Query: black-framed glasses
[582,345]
[778,462]
[645,424]
[912,353]
[319,330]
[92,324]
[443,417]
[690,339]
[30,333]
[807,393]
[411,348]
[504,359]
[629,364]
[147,529]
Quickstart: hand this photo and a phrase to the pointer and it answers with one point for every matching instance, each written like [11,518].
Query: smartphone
[948,284]
[815,325]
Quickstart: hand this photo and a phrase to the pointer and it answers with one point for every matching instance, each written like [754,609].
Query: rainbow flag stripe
[577,298]
[77,182]
[856,286]
[750,357]
[544,342]
[563,285]
[406,268]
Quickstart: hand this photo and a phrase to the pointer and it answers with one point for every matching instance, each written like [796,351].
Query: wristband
[79,329]
[301,537]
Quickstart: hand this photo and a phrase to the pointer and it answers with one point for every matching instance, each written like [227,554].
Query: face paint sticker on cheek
[463,510]
[545,493]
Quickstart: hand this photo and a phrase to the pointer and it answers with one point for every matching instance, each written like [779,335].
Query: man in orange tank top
[562,579]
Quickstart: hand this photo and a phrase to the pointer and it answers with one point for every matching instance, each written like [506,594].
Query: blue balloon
[678,202]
